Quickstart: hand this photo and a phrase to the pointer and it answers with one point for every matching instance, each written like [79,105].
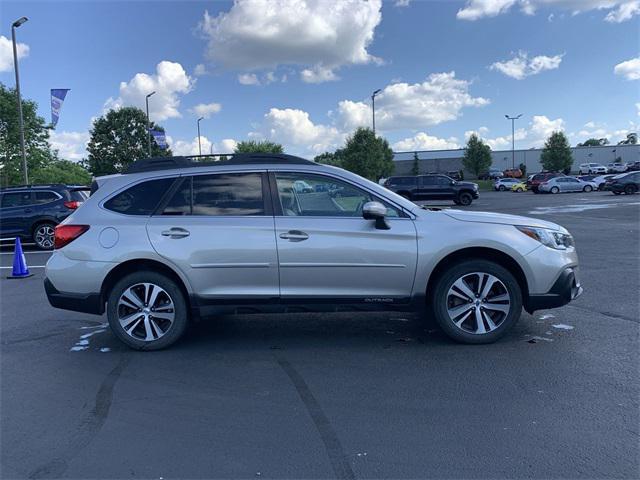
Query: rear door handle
[175,232]
[294,236]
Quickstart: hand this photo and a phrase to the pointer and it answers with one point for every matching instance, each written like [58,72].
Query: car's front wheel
[147,310]
[502,188]
[630,189]
[555,190]
[43,236]
[476,301]
[464,199]
[587,188]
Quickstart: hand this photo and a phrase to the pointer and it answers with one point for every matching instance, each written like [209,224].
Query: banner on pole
[160,138]
[57,99]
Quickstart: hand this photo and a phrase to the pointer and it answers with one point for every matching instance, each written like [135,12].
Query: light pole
[148,122]
[513,139]
[15,25]
[199,145]
[373,109]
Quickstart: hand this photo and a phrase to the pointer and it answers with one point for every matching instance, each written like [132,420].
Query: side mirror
[376,211]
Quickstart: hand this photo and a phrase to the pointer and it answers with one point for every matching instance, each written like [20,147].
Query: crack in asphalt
[88,427]
[335,452]
[606,314]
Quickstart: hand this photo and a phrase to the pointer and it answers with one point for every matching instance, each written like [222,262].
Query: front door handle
[294,236]
[175,232]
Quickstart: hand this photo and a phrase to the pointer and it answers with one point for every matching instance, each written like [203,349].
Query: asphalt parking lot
[339,396]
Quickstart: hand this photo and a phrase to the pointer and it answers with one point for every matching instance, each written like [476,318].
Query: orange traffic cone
[20,269]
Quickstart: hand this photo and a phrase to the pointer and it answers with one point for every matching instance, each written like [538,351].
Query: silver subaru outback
[173,239]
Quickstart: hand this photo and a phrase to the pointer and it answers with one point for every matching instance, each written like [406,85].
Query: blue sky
[301,72]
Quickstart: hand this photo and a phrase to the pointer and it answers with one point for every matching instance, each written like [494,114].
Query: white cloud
[190,147]
[401,3]
[70,145]
[629,69]
[541,127]
[206,109]
[424,141]
[321,35]
[497,143]
[533,135]
[597,130]
[624,12]
[6,53]
[248,79]
[169,82]
[200,70]
[440,98]
[521,66]
[618,10]
[638,108]
[293,128]
[318,74]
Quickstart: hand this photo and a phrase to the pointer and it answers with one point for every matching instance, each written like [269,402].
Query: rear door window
[229,194]
[141,199]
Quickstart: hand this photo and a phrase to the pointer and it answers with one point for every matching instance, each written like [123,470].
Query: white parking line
[26,253]
[32,266]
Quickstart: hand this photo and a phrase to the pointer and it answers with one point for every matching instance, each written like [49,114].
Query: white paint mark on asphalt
[400,319]
[363,454]
[30,267]
[562,326]
[577,208]
[105,350]
[546,316]
[535,337]
[83,343]
[101,325]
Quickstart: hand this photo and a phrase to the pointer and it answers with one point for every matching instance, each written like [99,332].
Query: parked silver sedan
[567,184]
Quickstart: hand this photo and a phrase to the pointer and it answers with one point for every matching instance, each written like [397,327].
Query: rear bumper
[566,288]
[85,303]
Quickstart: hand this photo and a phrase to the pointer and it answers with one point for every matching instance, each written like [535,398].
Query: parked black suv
[628,183]
[31,212]
[433,187]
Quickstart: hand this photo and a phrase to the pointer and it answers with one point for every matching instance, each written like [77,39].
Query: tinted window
[329,198]
[16,199]
[428,181]
[180,203]
[79,195]
[228,194]
[402,180]
[45,197]
[141,199]
[444,181]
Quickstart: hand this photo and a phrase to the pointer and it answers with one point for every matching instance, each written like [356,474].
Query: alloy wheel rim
[45,236]
[478,303]
[146,312]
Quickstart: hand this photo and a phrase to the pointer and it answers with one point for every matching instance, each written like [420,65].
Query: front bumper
[566,288]
[85,303]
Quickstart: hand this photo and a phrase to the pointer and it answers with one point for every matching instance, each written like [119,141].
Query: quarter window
[322,197]
[45,197]
[141,199]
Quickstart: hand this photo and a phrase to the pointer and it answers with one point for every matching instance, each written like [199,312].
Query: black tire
[43,235]
[439,300]
[464,199]
[180,310]
[587,188]
[502,188]
[555,190]
[630,189]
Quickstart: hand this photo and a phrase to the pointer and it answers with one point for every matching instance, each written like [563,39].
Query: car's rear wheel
[587,188]
[43,235]
[502,188]
[630,189]
[555,190]
[465,199]
[476,301]
[147,311]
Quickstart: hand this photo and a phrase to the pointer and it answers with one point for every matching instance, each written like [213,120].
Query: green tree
[61,171]
[328,158]
[118,138]
[415,168]
[523,169]
[36,137]
[632,139]
[477,155]
[556,155]
[264,146]
[367,155]
[594,142]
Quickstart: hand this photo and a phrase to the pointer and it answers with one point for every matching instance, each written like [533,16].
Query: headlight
[549,238]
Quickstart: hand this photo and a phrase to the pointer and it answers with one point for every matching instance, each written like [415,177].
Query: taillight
[65,234]
[72,204]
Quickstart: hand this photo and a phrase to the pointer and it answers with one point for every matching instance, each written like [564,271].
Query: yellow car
[519,187]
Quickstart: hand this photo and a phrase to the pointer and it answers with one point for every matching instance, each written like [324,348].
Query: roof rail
[215,159]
